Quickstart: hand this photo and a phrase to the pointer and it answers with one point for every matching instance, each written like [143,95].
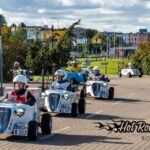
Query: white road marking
[93,114]
[131,95]
[54,133]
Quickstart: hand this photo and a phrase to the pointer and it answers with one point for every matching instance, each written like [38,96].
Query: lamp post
[1,57]
[52,29]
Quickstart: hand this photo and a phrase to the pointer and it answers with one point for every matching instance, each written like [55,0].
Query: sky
[104,15]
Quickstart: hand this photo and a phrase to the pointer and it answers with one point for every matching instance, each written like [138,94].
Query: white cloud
[41,11]
[67,2]
[128,15]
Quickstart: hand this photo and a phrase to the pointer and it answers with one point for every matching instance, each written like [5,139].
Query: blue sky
[103,15]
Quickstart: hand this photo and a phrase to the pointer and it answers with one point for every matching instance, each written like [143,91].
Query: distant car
[27,73]
[130,72]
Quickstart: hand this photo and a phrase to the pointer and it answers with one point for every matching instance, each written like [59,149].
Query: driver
[97,75]
[61,82]
[20,94]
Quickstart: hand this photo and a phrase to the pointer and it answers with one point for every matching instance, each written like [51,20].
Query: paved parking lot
[131,102]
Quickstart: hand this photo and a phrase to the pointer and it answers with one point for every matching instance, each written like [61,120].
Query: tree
[119,42]
[90,33]
[49,55]
[14,49]
[141,59]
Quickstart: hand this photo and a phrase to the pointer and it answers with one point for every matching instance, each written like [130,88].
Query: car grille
[54,101]
[96,88]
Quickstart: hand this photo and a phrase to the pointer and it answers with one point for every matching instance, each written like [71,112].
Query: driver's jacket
[62,84]
[14,97]
[99,77]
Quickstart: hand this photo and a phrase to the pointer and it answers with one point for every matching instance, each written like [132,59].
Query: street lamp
[1,57]
[52,29]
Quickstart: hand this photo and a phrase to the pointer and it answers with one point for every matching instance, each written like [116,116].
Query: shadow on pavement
[69,140]
[90,116]
[125,100]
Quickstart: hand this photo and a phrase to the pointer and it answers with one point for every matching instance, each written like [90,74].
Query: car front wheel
[111,93]
[81,106]
[129,75]
[46,123]
[74,110]
[32,130]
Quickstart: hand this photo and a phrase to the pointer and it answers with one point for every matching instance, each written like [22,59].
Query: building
[135,39]
[97,39]
[79,36]
[47,33]
[121,51]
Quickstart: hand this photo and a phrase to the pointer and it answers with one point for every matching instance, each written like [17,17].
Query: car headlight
[66,96]
[20,112]
[104,84]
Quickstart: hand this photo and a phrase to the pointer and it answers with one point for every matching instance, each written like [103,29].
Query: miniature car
[61,101]
[23,120]
[99,89]
[130,72]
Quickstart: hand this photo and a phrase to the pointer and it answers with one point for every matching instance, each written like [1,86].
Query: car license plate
[65,109]
[21,130]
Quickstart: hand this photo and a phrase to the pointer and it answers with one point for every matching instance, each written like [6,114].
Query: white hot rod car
[23,119]
[99,89]
[62,101]
[129,72]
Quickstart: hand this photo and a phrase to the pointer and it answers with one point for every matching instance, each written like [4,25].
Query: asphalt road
[131,103]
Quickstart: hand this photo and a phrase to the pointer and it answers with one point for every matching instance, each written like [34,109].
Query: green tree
[141,59]
[90,33]
[14,49]
[119,42]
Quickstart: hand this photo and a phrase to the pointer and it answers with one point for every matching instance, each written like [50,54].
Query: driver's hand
[9,101]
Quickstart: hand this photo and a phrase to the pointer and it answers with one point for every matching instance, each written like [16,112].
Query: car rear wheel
[111,93]
[32,130]
[74,110]
[46,124]
[82,106]
[82,93]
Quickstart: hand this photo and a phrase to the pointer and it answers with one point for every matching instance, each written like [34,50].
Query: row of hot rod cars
[25,120]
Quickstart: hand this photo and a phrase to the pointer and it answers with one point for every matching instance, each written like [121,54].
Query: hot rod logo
[125,126]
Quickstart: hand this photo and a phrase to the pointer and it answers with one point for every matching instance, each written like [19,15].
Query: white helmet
[96,68]
[20,78]
[60,72]
[84,64]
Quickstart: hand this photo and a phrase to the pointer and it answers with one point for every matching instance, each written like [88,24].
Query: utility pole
[52,29]
[1,57]
[114,41]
